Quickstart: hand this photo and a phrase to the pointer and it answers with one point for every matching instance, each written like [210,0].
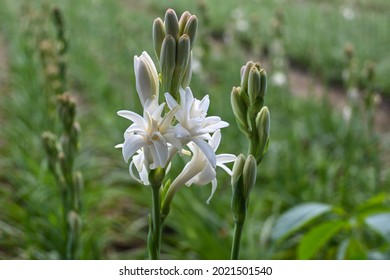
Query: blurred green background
[322,150]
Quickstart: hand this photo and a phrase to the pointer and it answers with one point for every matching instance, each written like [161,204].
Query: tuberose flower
[149,135]
[146,77]
[199,170]
[194,125]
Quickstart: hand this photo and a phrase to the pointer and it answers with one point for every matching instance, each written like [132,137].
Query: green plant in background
[152,141]
[253,119]
[61,149]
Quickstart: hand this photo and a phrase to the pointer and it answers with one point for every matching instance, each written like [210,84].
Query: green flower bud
[183,21]
[187,73]
[168,62]
[263,124]
[158,35]
[238,202]
[245,75]
[263,83]
[67,110]
[75,223]
[182,57]
[254,84]
[171,24]
[191,29]
[239,110]
[249,176]
[237,170]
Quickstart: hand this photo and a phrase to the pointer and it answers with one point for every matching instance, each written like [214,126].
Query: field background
[318,152]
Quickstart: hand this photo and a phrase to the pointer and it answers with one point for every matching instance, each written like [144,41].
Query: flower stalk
[253,119]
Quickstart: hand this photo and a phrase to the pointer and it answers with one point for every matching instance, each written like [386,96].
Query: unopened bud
[245,70]
[74,221]
[191,29]
[168,62]
[158,35]
[263,84]
[183,21]
[238,202]
[249,176]
[182,58]
[254,84]
[263,123]
[146,77]
[237,170]
[187,73]
[171,24]
[239,110]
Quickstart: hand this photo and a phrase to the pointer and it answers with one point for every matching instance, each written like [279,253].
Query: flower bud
[171,24]
[237,170]
[158,35]
[182,58]
[146,77]
[249,176]
[263,123]
[263,84]
[239,110]
[187,73]
[75,222]
[254,84]
[245,75]
[238,202]
[191,29]
[168,62]
[183,21]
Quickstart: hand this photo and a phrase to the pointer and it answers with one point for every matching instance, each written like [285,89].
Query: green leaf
[381,224]
[317,237]
[297,217]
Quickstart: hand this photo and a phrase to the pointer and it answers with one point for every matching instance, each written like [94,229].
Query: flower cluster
[178,124]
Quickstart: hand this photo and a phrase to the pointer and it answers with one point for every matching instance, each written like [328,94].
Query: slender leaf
[297,217]
[317,238]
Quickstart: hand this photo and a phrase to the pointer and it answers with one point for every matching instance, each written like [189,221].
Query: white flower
[146,77]
[193,124]
[149,135]
[199,171]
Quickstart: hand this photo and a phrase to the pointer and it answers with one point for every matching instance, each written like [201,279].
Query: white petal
[118,146]
[207,150]
[133,175]
[224,167]
[224,158]
[134,117]
[204,103]
[159,150]
[215,140]
[166,122]
[205,176]
[171,102]
[131,145]
[190,170]
[213,189]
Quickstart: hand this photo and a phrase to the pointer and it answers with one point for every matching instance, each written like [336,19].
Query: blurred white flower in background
[347,12]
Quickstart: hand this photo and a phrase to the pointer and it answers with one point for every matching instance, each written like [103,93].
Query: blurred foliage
[315,155]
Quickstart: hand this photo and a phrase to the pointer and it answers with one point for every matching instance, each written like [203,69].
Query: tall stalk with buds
[61,149]
[253,119]
[179,125]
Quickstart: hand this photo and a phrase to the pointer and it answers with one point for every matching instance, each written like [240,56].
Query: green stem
[156,228]
[238,226]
